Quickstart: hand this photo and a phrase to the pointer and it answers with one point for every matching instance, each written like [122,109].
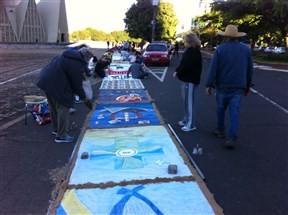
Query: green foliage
[264,21]
[118,36]
[139,16]
[88,34]
[96,35]
[138,20]
[276,58]
[166,22]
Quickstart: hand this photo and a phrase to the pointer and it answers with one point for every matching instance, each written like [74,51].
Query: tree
[119,36]
[138,20]
[80,35]
[166,22]
[96,35]
[139,16]
[88,34]
[264,21]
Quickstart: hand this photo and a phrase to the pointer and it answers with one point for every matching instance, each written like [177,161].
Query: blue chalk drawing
[119,115]
[127,153]
[119,207]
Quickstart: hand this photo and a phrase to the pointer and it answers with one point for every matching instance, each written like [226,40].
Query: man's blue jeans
[230,98]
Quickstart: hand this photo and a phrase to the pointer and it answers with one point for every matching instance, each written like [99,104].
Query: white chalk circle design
[126,152]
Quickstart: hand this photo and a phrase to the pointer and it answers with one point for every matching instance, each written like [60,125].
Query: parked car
[259,48]
[268,49]
[157,53]
[169,45]
[279,50]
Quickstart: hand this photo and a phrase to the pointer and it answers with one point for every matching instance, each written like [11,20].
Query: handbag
[88,89]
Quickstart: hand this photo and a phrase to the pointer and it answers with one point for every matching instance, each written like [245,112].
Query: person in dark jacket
[230,73]
[189,73]
[60,79]
[176,49]
[101,66]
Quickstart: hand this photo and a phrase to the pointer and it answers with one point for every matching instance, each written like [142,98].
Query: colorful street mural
[160,198]
[132,153]
[123,96]
[126,144]
[115,84]
[119,115]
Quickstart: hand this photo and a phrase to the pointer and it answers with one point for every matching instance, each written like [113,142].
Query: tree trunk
[286,40]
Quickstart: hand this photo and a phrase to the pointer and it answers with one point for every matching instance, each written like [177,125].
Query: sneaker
[218,133]
[72,110]
[230,144]
[186,129]
[66,139]
[181,123]
[54,132]
[79,101]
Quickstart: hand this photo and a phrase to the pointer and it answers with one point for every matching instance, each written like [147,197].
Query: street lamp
[155,3]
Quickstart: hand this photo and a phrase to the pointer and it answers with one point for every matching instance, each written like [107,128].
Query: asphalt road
[251,179]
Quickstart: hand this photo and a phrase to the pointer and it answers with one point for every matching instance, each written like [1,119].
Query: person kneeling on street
[60,79]
[137,70]
[101,66]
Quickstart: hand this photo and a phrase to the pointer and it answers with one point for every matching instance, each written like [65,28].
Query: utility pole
[155,4]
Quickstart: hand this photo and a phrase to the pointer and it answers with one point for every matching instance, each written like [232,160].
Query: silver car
[279,50]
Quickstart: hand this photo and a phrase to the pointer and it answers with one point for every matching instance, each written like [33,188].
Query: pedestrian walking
[230,74]
[176,49]
[189,74]
[60,79]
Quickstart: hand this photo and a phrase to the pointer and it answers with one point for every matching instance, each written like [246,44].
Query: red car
[157,53]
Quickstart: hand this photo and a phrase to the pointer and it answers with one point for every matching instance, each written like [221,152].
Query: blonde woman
[189,74]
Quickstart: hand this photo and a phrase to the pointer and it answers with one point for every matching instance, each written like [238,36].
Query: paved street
[252,179]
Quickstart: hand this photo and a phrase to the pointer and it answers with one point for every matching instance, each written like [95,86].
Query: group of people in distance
[138,70]
[230,74]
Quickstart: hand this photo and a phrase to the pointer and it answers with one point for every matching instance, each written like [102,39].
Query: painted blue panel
[122,115]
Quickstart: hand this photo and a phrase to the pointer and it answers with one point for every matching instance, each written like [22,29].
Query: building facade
[24,21]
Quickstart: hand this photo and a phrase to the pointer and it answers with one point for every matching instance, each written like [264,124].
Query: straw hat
[232,31]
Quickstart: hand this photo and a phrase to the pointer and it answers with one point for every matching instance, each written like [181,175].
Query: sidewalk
[31,162]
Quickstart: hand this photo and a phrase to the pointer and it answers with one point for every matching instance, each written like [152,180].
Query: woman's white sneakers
[186,129]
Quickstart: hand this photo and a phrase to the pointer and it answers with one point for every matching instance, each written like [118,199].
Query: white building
[24,21]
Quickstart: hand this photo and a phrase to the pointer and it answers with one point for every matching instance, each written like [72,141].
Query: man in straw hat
[230,73]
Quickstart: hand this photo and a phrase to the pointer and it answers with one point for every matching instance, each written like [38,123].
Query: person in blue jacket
[230,73]
[60,79]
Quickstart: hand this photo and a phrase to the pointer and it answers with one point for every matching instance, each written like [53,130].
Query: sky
[108,15]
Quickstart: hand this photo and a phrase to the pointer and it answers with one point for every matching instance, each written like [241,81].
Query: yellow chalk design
[72,205]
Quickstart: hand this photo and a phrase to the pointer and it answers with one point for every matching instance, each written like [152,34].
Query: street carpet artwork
[124,154]
[123,96]
[118,84]
[117,68]
[120,115]
[160,198]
